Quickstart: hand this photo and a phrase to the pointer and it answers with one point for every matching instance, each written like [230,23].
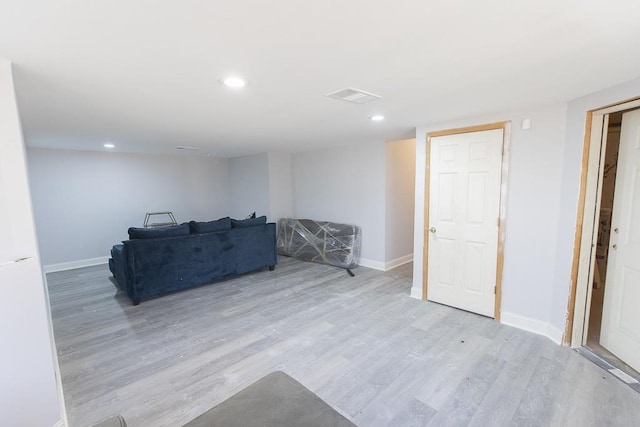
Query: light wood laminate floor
[362,344]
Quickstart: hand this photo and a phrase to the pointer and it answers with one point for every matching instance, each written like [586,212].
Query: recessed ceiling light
[108,145]
[376,118]
[234,82]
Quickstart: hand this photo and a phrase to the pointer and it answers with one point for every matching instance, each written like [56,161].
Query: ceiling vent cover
[355,96]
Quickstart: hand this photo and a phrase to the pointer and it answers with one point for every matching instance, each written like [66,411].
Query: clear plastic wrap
[320,241]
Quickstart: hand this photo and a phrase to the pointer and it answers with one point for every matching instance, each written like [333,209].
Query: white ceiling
[144,74]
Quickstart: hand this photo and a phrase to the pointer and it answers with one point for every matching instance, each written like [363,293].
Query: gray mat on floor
[115,421]
[274,400]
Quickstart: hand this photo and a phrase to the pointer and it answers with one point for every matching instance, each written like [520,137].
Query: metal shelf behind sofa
[147,218]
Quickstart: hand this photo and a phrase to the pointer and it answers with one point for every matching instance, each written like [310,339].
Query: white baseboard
[556,335]
[416,293]
[51,268]
[60,423]
[532,325]
[376,265]
[385,266]
[398,262]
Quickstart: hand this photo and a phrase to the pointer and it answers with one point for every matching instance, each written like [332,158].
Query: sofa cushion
[222,224]
[237,223]
[159,232]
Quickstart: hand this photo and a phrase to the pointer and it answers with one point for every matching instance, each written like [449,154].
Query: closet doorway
[609,169]
[608,278]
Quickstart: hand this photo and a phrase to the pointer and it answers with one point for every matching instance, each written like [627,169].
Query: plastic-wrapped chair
[320,241]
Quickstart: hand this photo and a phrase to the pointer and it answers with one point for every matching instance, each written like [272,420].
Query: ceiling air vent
[355,96]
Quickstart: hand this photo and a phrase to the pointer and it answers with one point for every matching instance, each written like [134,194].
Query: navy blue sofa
[157,262]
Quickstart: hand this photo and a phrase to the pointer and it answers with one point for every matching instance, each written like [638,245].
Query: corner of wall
[416,293]
[280,186]
[385,266]
[532,325]
[370,263]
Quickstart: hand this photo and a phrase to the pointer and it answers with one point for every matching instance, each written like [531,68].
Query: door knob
[432,229]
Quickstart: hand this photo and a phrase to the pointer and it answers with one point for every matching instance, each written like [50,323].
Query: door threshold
[622,372]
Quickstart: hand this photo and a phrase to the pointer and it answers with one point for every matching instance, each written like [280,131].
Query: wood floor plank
[374,354]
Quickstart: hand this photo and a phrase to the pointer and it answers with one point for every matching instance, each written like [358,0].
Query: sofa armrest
[117,266]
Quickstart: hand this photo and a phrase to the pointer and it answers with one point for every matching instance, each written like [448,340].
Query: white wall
[345,185]
[249,186]
[400,192]
[534,207]
[280,186]
[85,201]
[28,388]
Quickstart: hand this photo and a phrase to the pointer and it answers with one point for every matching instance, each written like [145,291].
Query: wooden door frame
[506,145]
[578,309]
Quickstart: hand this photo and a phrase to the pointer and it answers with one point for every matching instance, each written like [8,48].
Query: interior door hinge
[495,291]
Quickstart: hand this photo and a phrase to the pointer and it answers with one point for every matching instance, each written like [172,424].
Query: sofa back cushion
[159,232]
[222,224]
[237,223]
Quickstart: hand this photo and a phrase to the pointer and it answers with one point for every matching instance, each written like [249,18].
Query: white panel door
[464,203]
[620,331]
